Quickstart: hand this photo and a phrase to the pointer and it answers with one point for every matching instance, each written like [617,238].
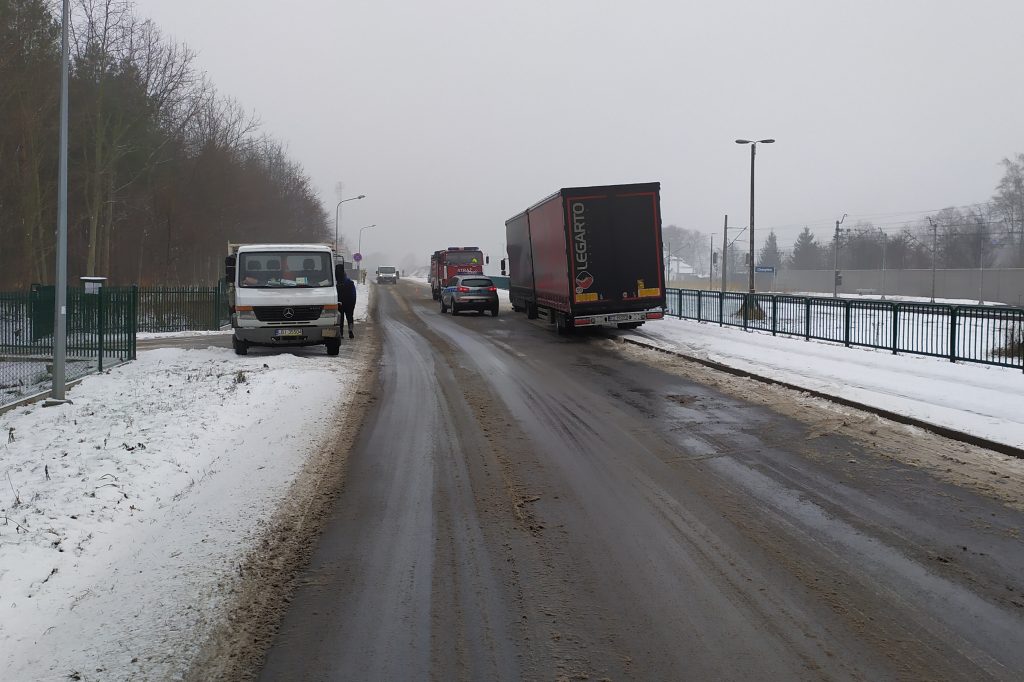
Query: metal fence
[100,333]
[174,309]
[992,335]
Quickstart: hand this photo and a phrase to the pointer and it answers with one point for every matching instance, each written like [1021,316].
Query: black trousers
[346,314]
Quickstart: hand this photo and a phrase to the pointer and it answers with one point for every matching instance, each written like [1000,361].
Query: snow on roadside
[978,399]
[124,516]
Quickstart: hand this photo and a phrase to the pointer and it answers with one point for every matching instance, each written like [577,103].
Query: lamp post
[337,210]
[753,152]
[359,247]
[60,319]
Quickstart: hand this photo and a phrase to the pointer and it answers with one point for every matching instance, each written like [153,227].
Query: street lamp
[359,247]
[336,213]
[753,152]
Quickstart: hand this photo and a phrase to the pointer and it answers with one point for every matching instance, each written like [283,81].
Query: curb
[944,431]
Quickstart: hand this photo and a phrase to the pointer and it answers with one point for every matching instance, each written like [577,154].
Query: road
[520,505]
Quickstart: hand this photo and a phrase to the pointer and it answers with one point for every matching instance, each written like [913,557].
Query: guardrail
[992,335]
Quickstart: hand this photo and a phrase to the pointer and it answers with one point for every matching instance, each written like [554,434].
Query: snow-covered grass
[983,400]
[124,516]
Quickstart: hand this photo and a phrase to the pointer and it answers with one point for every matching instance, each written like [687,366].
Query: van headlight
[246,316]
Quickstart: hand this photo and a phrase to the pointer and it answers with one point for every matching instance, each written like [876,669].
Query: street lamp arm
[337,210]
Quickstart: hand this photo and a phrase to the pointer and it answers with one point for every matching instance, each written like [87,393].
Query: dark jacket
[346,293]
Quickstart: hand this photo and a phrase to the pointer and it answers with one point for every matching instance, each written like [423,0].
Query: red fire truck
[455,260]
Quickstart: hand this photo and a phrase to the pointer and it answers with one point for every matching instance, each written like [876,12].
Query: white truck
[387,274]
[282,295]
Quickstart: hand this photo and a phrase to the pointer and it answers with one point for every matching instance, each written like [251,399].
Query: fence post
[700,299]
[679,295]
[846,323]
[721,307]
[807,319]
[895,327]
[952,333]
[775,313]
[133,318]
[746,308]
[99,324]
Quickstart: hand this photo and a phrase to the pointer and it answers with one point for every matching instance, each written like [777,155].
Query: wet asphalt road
[525,506]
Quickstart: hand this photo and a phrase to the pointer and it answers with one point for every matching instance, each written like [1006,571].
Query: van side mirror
[502,267]
[487,260]
[229,268]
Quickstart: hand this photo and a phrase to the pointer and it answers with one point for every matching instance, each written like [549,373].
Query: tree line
[163,169]
[985,235]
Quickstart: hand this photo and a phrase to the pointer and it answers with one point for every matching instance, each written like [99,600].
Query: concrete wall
[1001,285]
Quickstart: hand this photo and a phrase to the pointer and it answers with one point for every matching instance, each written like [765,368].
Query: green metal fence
[101,331]
[174,309]
[992,335]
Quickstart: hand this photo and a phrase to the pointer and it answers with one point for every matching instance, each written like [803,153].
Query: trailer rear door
[615,237]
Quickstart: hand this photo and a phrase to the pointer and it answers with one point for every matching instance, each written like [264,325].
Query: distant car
[387,274]
[470,292]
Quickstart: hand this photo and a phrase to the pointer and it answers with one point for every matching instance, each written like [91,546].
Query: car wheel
[455,309]
[444,308]
[494,311]
[333,346]
[241,347]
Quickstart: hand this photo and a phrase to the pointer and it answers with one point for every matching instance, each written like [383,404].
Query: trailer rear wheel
[531,311]
[562,324]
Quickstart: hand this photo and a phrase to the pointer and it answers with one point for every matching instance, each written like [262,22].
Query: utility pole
[668,264]
[981,266]
[725,251]
[711,263]
[935,235]
[60,303]
[835,254]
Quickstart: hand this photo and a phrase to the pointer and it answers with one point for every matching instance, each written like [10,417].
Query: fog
[452,116]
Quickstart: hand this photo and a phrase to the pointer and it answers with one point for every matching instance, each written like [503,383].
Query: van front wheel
[241,347]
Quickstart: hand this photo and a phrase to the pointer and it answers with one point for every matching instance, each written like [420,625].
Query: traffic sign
[357,257]
[765,268]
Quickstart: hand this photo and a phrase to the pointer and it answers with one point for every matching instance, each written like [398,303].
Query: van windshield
[386,270]
[282,269]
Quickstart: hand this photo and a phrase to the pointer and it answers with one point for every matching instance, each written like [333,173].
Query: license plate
[288,332]
[617,318]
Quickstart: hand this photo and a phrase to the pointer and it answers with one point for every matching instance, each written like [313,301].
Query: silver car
[470,292]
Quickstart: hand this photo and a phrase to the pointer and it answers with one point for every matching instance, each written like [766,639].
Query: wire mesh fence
[991,335]
[101,330]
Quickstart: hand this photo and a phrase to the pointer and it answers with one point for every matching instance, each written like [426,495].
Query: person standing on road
[346,299]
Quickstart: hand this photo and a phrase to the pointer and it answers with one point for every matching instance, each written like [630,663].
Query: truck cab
[282,295]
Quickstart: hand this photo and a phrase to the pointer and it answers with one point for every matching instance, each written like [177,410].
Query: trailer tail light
[463,290]
[584,321]
[655,315]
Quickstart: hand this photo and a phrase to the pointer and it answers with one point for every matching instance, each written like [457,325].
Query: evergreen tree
[770,254]
[806,252]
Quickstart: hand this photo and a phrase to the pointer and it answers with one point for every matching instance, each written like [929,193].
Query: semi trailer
[589,257]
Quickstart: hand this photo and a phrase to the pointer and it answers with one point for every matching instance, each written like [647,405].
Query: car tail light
[492,288]
[462,290]
[655,315]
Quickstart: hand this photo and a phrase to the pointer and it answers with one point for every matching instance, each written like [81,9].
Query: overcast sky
[453,115]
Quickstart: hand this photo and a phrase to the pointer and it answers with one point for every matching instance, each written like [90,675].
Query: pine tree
[806,252]
[770,254]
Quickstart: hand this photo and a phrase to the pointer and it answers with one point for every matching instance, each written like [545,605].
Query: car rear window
[476,282]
